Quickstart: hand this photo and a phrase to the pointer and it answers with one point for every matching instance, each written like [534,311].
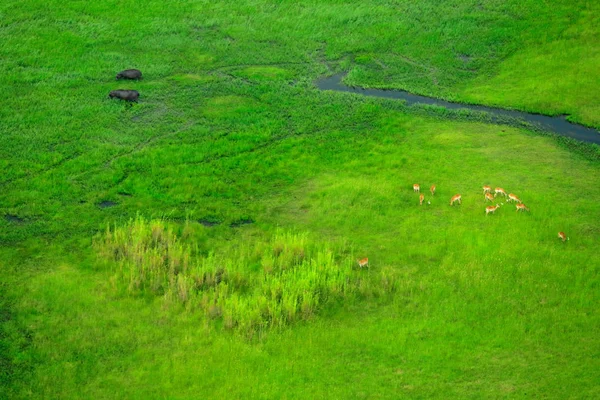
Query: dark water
[208,222]
[107,204]
[13,218]
[240,222]
[557,125]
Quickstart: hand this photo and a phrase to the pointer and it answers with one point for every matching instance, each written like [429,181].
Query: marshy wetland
[208,240]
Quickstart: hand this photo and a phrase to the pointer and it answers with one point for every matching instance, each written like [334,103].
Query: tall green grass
[252,287]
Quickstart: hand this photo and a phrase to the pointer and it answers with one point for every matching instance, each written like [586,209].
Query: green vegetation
[251,289]
[549,76]
[232,165]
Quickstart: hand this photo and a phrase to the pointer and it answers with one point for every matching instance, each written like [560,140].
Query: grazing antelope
[363,262]
[498,191]
[521,207]
[487,189]
[421,198]
[513,197]
[432,189]
[456,197]
[489,196]
[491,209]
[561,235]
[416,187]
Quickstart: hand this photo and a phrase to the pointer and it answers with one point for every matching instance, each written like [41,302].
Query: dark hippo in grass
[128,95]
[130,74]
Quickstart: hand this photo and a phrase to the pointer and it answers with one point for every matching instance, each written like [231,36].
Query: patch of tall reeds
[251,287]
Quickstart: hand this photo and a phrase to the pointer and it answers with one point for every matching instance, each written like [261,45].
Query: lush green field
[231,132]
[557,76]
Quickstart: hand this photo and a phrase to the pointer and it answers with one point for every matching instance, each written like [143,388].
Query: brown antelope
[432,189]
[362,262]
[487,189]
[561,235]
[498,191]
[489,196]
[456,197]
[421,198]
[521,207]
[416,187]
[491,209]
[513,197]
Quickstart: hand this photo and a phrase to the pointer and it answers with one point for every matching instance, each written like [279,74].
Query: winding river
[558,125]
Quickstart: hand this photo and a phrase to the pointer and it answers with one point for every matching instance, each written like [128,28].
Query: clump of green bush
[251,287]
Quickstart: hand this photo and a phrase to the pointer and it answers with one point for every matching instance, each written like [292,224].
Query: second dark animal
[129,95]
[130,74]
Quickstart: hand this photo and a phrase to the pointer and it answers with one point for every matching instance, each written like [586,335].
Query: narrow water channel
[558,125]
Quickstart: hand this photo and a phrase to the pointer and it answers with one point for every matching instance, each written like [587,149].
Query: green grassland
[554,77]
[249,180]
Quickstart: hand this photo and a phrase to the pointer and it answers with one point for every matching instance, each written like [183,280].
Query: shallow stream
[558,125]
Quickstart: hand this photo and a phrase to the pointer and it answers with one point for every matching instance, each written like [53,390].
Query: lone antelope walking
[489,196]
[498,191]
[513,197]
[432,189]
[416,187]
[363,262]
[521,207]
[562,236]
[491,209]
[487,189]
[456,197]
[421,198]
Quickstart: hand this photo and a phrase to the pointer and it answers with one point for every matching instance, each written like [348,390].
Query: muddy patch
[106,204]
[558,124]
[241,221]
[14,219]
[465,58]
[208,222]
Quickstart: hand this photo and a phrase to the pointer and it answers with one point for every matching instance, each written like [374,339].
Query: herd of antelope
[487,193]
[488,196]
